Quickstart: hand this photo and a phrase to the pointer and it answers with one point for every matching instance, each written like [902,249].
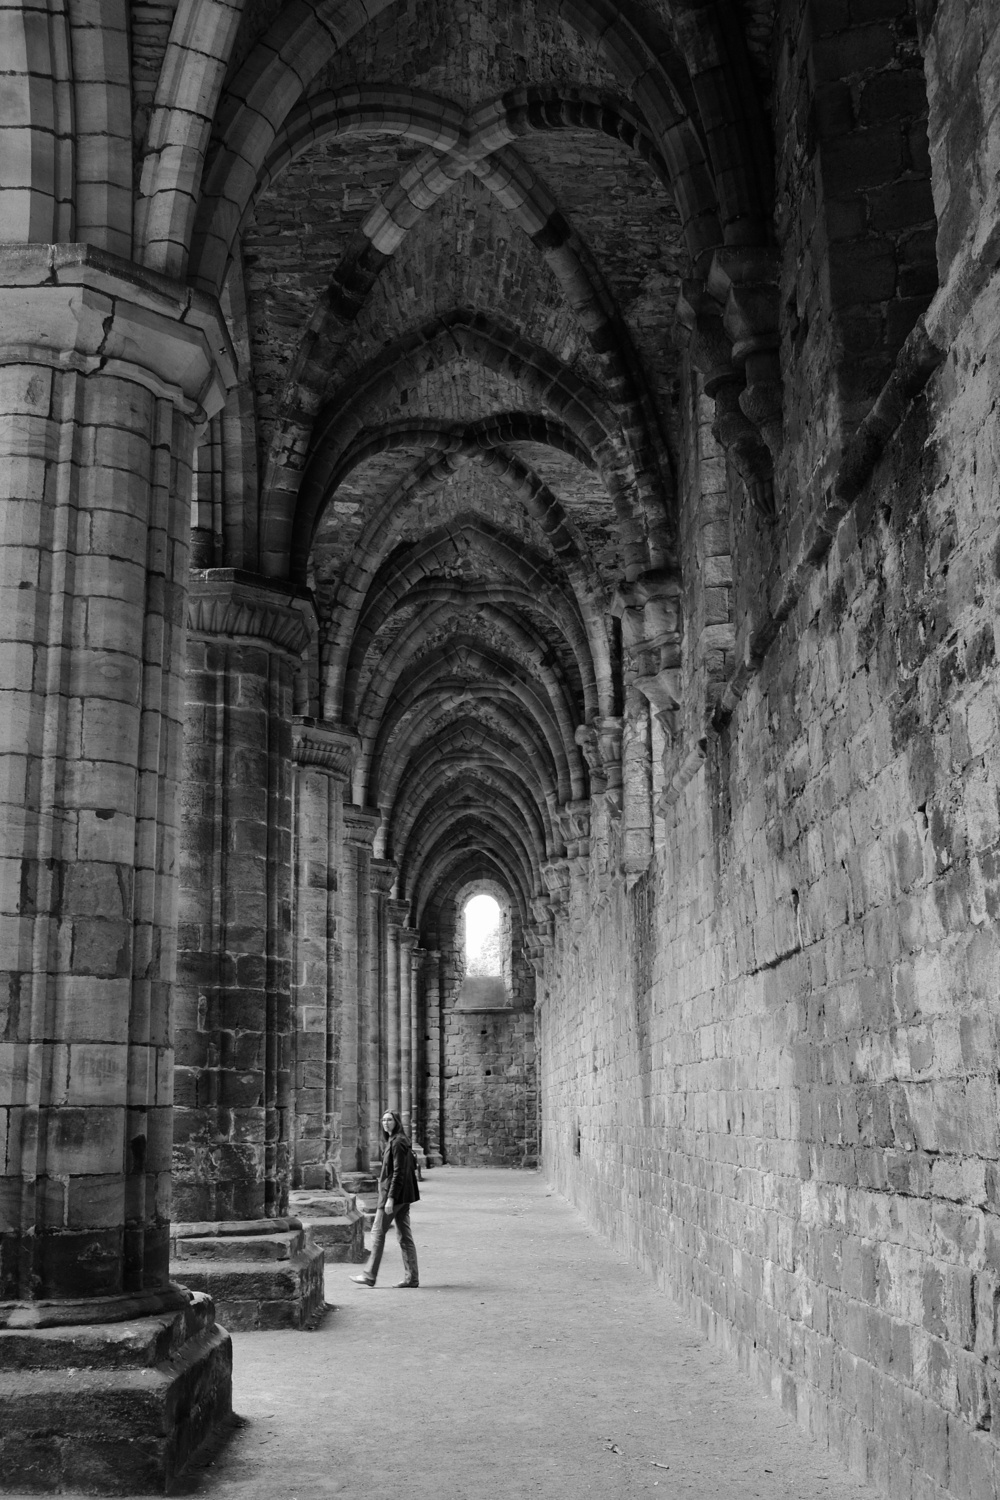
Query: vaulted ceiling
[450,238]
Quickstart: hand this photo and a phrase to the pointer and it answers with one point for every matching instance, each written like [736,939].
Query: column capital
[649,608]
[361,824]
[383,876]
[230,602]
[555,873]
[409,937]
[397,912]
[75,307]
[574,825]
[328,747]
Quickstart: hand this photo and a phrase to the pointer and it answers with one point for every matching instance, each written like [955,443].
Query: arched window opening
[482,938]
[483,943]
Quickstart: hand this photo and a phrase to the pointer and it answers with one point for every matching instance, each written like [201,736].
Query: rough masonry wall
[780,1049]
[490,1092]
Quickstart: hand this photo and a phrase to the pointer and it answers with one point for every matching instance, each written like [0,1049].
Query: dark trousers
[407,1248]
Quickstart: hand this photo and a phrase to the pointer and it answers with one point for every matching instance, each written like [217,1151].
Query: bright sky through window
[482,936]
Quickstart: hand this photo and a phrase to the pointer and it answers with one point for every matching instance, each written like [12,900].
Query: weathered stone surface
[604,519]
[114,1408]
[257,1280]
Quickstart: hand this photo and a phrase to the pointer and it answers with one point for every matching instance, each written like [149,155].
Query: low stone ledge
[112,1408]
[333,1221]
[257,1281]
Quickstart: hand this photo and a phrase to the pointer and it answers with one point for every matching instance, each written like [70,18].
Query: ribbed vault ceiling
[452,238]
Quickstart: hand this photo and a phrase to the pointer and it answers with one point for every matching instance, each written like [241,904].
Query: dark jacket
[398,1177]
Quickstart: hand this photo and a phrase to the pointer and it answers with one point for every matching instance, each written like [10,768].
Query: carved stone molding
[555,873]
[361,824]
[586,738]
[744,280]
[397,913]
[228,602]
[541,911]
[383,876]
[331,747]
[649,608]
[724,377]
[574,825]
[77,307]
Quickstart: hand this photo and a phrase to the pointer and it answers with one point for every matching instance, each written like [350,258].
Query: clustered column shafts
[396,914]
[435,1076]
[407,943]
[360,827]
[383,876]
[324,756]
[418,1068]
[234,1009]
[95,477]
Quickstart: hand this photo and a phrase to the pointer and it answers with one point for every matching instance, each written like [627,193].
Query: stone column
[396,914]
[360,827]
[434,1116]
[324,756]
[407,945]
[232,1139]
[418,1062]
[383,875]
[107,374]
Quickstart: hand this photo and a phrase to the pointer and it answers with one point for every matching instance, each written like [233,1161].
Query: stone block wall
[770,1070]
[490,1102]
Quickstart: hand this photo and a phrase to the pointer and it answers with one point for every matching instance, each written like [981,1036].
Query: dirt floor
[532,1362]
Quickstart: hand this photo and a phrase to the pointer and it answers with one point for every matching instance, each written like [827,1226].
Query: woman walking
[397,1189]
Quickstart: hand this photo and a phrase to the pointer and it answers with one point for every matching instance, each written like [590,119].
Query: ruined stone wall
[770,1069]
[489,1100]
[490,1092]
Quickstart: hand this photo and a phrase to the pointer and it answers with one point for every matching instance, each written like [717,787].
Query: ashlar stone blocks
[105,376]
[232,1140]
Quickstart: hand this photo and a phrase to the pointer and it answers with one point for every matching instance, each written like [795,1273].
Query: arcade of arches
[537,448]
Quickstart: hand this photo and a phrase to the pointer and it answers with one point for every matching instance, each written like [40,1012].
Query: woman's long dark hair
[397,1128]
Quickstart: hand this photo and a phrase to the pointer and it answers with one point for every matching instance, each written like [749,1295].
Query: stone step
[341,1239]
[134,1344]
[260,1294]
[202,1228]
[367,1203]
[360,1182]
[248,1247]
[115,1429]
[315,1205]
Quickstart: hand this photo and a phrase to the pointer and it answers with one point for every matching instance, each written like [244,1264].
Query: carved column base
[112,1408]
[261,1273]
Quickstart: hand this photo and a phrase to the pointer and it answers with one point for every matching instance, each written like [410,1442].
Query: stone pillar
[434,1113]
[418,1060]
[407,944]
[360,827]
[383,877]
[232,1139]
[396,913]
[324,756]
[107,374]
[637,819]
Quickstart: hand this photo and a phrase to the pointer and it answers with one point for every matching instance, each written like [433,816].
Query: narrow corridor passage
[532,1363]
